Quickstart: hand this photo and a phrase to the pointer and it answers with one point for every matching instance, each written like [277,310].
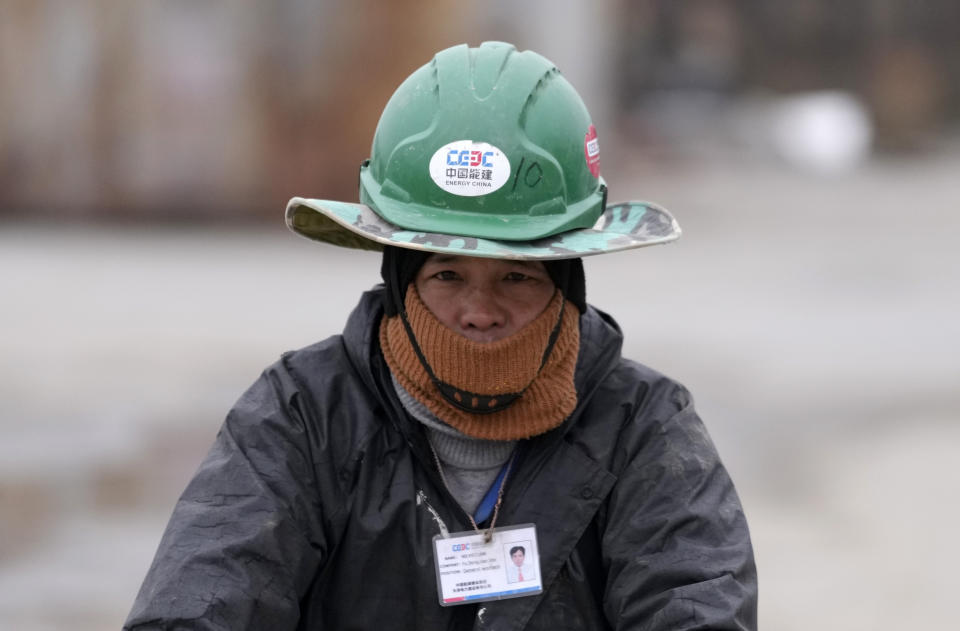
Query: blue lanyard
[489,501]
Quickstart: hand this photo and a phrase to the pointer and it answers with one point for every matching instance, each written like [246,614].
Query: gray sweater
[470,465]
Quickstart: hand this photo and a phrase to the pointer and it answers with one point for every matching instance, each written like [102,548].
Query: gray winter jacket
[317,506]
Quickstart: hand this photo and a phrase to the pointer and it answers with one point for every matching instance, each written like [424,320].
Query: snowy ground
[814,318]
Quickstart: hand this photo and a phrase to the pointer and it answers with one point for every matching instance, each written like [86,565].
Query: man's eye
[516,277]
[446,275]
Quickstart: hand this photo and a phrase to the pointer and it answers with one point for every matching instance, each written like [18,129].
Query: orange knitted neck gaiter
[506,367]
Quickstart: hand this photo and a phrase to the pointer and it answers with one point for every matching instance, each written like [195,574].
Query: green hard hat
[486,152]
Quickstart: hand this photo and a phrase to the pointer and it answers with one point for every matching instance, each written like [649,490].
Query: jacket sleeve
[676,543]
[246,537]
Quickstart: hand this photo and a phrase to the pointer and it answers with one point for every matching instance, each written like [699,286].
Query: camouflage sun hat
[620,227]
[485,152]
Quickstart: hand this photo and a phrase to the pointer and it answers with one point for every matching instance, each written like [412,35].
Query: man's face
[484,300]
[517,558]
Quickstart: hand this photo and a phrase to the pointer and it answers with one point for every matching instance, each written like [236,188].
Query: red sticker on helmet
[591,149]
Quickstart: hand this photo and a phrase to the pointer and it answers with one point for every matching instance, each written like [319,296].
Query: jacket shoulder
[324,369]
[325,391]
[642,392]
[636,413]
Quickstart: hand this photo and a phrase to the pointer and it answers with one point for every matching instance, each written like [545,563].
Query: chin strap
[473,402]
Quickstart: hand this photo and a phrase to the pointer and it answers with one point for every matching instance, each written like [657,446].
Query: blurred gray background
[809,149]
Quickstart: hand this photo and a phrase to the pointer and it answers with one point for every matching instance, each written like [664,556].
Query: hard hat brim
[622,226]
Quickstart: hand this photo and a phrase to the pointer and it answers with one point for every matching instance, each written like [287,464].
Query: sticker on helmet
[469,169]
[591,149]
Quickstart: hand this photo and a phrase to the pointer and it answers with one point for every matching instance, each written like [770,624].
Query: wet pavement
[814,318]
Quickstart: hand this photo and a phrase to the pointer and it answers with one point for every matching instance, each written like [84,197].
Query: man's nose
[481,311]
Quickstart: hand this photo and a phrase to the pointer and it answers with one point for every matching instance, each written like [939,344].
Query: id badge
[470,570]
